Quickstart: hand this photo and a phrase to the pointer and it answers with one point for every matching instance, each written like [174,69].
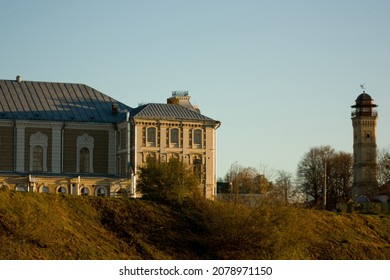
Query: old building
[176,130]
[72,139]
[364,121]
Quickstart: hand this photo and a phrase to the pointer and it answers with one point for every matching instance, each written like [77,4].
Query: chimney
[19,79]
[183,99]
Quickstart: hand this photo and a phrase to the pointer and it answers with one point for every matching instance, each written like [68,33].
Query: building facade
[364,121]
[72,139]
[176,130]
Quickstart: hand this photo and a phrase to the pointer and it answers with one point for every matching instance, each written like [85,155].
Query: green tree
[171,181]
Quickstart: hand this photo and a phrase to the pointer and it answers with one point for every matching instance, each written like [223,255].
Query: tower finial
[363,87]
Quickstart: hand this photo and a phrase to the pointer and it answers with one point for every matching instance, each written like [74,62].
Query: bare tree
[323,170]
[247,180]
[283,187]
[383,166]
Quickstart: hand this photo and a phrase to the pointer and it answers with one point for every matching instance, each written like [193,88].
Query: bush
[171,181]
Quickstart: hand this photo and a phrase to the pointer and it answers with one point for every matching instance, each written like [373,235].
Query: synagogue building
[71,139]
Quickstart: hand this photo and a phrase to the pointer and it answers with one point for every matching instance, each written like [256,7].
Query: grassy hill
[40,226]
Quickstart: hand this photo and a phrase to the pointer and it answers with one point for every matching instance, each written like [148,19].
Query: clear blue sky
[280,75]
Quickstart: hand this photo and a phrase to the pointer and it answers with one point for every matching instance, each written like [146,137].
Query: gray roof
[26,100]
[168,112]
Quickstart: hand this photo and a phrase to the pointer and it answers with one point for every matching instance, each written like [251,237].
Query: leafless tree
[323,168]
[383,166]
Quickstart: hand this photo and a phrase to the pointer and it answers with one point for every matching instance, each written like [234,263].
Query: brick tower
[364,120]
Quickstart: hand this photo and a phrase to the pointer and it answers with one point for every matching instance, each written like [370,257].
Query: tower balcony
[364,112]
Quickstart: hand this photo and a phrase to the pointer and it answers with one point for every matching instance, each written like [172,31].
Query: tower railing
[371,113]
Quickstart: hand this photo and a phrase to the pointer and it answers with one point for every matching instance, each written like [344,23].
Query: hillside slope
[39,226]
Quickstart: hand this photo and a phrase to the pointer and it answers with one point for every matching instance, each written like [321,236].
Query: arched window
[151,136]
[84,191]
[85,146]
[101,191]
[38,152]
[121,193]
[62,190]
[43,189]
[174,137]
[37,159]
[197,138]
[84,160]
[20,188]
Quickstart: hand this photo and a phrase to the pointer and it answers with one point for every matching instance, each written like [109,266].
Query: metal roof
[168,111]
[27,100]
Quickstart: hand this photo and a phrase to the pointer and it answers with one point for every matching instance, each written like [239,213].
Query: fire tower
[364,120]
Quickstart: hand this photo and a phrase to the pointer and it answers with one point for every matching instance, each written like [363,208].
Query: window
[121,192]
[44,189]
[85,146]
[37,159]
[197,138]
[101,191]
[84,160]
[197,166]
[151,137]
[38,152]
[84,191]
[62,190]
[174,137]
[20,188]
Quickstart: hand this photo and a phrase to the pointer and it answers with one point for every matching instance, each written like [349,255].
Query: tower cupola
[364,105]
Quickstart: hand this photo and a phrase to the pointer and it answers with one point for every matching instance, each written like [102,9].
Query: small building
[72,139]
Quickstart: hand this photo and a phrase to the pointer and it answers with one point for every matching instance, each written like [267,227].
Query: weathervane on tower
[363,87]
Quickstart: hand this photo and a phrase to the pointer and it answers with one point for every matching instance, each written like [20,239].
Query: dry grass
[38,226]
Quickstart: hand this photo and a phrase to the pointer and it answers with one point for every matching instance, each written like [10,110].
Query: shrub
[170,181]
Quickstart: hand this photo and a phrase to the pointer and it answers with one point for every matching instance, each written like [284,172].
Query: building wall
[200,156]
[100,149]
[6,146]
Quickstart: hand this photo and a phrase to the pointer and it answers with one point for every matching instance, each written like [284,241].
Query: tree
[247,180]
[167,181]
[311,177]
[383,166]
[282,191]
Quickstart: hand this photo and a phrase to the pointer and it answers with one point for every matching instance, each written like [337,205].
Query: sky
[280,75]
